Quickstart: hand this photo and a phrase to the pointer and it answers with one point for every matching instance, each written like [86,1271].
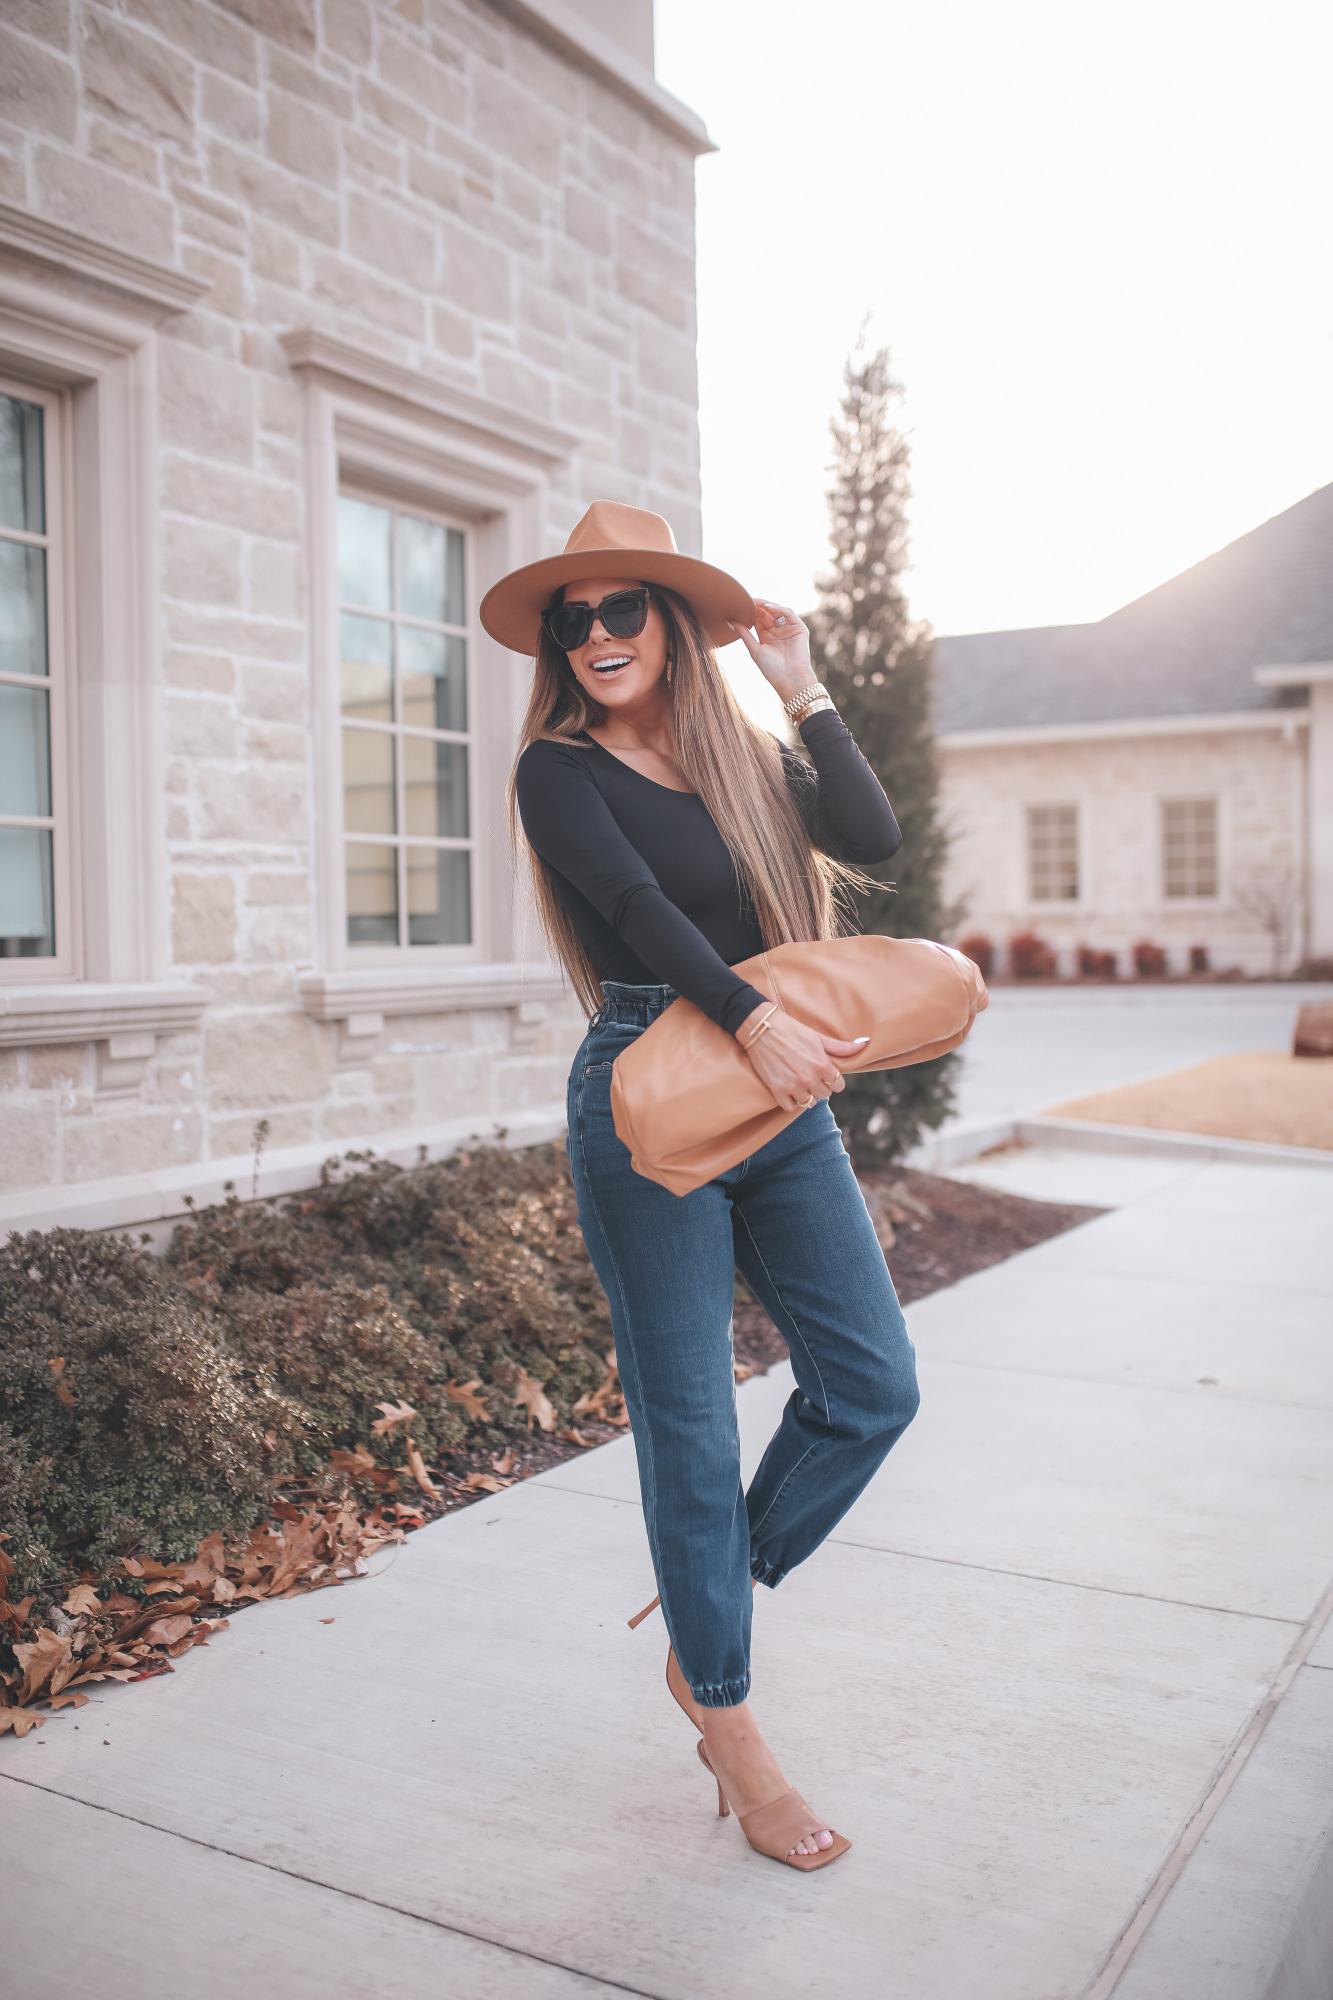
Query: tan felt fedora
[615,541]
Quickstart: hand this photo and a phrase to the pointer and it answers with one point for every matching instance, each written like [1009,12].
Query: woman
[671,839]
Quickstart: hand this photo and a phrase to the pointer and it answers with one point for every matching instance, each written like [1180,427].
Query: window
[403,691]
[1189,847]
[28,826]
[1053,854]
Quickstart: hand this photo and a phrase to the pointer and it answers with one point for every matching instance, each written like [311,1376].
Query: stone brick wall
[1257,777]
[426,180]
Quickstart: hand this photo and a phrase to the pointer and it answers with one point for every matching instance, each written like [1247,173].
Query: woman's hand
[795,1063]
[779,647]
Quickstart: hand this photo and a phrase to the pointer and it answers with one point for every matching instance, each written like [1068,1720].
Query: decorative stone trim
[574,35]
[123,1016]
[364,997]
[338,365]
[158,287]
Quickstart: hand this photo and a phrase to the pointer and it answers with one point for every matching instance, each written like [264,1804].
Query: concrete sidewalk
[1041,1642]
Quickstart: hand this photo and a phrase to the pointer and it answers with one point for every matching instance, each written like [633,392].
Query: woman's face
[617,673]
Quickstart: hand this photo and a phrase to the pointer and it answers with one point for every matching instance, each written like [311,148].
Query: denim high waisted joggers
[791,1218]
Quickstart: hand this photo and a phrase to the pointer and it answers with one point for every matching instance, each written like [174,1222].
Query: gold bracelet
[803,698]
[815,708]
[762,1028]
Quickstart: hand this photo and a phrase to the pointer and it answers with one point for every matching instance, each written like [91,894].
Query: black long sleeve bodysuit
[646,877]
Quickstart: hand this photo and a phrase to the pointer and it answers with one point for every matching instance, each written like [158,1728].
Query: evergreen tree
[876,663]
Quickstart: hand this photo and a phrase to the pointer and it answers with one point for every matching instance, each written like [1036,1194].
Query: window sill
[363,998]
[42,1016]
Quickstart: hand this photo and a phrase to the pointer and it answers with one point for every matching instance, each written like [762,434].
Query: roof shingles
[1190,647]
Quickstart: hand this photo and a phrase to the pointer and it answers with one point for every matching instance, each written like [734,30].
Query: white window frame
[63,963]
[79,319]
[391,434]
[1051,904]
[1168,903]
[416,954]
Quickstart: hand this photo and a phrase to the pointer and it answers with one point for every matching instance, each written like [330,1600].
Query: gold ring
[810,1102]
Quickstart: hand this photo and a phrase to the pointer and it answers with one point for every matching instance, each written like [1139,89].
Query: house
[316,316]
[1165,775]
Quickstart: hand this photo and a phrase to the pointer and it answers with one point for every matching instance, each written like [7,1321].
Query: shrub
[1096,964]
[981,952]
[1199,958]
[1149,960]
[148,1403]
[1030,957]
[128,1418]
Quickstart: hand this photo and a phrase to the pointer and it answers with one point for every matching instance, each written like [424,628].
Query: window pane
[368,802]
[365,561]
[25,753]
[1189,847]
[22,609]
[27,927]
[439,907]
[372,894]
[435,787]
[422,580]
[366,673]
[22,499]
[434,670]
[1053,853]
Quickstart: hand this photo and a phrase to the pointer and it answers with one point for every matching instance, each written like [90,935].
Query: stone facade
[1117,781]
[459,237]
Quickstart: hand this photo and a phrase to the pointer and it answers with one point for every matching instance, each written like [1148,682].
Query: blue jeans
[792,1219]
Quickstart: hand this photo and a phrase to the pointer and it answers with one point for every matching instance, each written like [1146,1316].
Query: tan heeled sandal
[772,1830]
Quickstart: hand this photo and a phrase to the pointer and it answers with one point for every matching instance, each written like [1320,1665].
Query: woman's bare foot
[746,1767]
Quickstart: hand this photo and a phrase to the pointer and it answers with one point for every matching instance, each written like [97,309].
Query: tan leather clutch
[688,1102]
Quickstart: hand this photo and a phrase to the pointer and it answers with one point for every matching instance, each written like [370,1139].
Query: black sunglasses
[623,614]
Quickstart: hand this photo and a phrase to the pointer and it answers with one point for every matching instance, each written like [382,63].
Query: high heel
[723,1807]
[772,1830]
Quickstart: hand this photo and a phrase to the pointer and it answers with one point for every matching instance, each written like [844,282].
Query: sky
[1097,240]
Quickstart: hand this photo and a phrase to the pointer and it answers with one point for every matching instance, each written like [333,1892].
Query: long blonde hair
[734,766]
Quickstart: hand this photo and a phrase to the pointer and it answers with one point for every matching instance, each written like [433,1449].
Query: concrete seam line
[1063,1582]
[1117,1960]
[594,1979]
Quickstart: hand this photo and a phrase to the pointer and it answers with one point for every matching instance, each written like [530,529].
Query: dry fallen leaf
[355,1463]
[743,1371]
[326,1621]
[166,1631]
[484,1482]
[505,1464]
[470,1398]
[417,1465]
[605,1401]
[42,1661]
[20,1720]
[394,1413]
[82,1599]
[69,1700]
[535,1401]
[576,1437]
